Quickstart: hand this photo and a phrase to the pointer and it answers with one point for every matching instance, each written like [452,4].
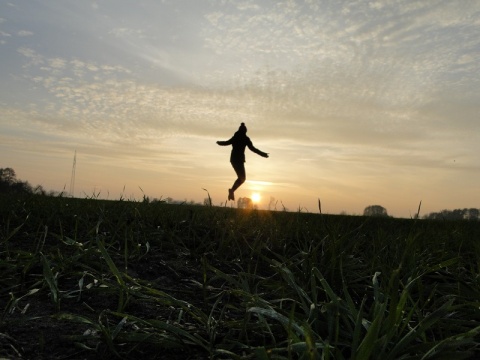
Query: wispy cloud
[333,90]
[25,33]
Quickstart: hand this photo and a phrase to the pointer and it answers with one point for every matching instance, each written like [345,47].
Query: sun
[256,198]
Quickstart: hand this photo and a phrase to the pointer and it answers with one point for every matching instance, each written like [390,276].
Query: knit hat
[242,128]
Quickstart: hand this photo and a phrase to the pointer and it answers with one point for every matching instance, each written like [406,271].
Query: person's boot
[231,195]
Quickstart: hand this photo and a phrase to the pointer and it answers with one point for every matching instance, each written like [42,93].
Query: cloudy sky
[357,102]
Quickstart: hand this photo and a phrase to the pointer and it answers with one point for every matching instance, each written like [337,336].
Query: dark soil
[33,331]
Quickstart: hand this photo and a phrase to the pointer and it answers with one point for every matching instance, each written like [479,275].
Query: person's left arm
[256,151]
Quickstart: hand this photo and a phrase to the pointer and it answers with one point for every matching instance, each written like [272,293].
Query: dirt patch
[32,328]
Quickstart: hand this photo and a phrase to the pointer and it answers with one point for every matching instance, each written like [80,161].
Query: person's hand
[265,155]
[218,142]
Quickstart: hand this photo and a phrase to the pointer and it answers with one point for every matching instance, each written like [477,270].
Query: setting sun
[256,197]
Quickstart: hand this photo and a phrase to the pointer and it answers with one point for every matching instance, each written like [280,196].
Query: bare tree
[8,176]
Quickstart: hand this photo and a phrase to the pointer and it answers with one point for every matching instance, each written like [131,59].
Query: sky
[357,102]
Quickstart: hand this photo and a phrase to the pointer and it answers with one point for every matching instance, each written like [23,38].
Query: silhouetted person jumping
[237,158]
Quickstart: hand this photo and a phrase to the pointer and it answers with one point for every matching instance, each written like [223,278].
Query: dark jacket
[239,141]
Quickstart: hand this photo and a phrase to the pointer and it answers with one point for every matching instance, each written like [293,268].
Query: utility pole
[72,178]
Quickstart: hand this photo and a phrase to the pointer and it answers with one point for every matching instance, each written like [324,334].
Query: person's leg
[241,176]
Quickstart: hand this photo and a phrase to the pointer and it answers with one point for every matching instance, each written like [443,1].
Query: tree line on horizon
[10,184]
[457,214]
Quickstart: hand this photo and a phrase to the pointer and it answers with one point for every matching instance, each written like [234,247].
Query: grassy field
[87,279]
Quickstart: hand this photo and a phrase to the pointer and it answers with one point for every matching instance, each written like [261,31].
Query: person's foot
[231,195]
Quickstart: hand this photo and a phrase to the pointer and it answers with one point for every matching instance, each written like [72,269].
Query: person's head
[242,129]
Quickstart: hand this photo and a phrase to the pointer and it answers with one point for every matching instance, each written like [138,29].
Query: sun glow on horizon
[256,197]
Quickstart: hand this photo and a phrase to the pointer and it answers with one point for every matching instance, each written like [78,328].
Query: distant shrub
[375,210]
[245,203]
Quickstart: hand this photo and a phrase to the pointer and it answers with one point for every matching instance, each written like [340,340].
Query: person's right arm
[225,143]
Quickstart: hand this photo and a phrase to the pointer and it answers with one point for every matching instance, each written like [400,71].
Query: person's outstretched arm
[225,143]
[257,151]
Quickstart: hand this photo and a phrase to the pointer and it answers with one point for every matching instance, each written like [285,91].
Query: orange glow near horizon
[256,197]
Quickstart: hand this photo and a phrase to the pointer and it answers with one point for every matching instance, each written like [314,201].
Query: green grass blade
[285,321]
[51,281]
